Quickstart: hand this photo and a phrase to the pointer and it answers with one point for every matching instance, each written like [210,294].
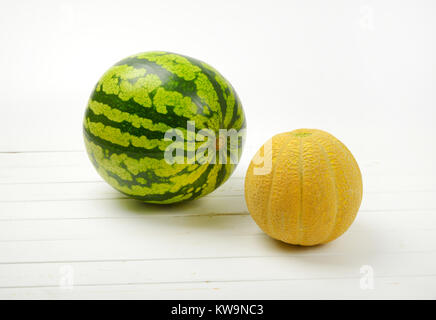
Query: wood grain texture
[59,222]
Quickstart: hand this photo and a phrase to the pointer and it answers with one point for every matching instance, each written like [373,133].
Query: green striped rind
[136,102]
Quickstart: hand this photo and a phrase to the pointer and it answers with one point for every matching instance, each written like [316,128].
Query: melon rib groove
[273,170]
[300,172]
[333,176]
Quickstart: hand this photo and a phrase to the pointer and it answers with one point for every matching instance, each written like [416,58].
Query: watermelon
[151,122]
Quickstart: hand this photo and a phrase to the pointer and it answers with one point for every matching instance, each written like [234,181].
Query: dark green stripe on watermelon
[171,81]
[201,181]
[211,76]
[221,175]
[124,126]
[235,112]
[130,106]
[130,151]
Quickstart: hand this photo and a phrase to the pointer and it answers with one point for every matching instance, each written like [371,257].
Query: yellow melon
[303,187]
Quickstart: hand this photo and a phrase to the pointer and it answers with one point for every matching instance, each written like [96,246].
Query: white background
[361,70]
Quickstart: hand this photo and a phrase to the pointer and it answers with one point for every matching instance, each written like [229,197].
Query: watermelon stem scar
[226,142]
[220,142]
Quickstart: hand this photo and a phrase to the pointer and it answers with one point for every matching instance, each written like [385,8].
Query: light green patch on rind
[109,82]
[209,186]
[115,163]
[230,99]
[206,110]
[159,167]
[112,165]
[184,69]
[182,106]
[186,179]
[206,91]
[117,80]
[120,116]
[125,139]
[240,120]
[140,90]
[142,191]
[173,63]
[136,166]
[224,85]
[174,199]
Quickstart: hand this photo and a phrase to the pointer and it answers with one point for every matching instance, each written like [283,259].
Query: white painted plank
[53,167]
[294,267]
[128,208]
[55,211]
[414,287]
[203,236]
[65,167]
[116,208]
[91,190]
[154,225]
[74,200]
[423,200]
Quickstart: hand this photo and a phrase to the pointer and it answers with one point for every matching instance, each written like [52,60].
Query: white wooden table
[363,71]
[64,233]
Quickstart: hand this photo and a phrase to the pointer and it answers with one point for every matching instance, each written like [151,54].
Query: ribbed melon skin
[311,192]
[132,106]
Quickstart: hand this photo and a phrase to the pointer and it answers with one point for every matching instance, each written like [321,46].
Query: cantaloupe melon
[303,187]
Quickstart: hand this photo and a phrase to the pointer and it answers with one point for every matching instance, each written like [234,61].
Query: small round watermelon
[163,128]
